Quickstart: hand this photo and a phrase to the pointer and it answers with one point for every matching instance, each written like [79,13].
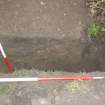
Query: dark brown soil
[49,34]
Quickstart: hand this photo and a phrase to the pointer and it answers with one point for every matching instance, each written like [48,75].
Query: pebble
[65,14]
[42,3]
[97,97]
[58,29]
[19,93]
[43,101]
[16,13]
[75,4]
[80,23]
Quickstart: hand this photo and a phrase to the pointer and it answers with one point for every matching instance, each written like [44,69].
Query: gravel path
[53,92]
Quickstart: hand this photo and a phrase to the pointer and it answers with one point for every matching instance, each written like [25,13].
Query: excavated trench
[54,54]
[49,35]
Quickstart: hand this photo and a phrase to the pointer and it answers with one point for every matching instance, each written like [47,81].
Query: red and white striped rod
[6,60]
[33,79]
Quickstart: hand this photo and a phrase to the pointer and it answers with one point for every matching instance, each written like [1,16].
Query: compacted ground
[49,34]
[90,92]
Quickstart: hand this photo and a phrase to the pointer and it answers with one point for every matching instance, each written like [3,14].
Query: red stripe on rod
[66,78]
[5,59]
[9,66]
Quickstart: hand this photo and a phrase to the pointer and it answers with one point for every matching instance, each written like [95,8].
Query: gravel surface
[53,92]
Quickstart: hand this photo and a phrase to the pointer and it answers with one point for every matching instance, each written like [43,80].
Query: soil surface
[49,34]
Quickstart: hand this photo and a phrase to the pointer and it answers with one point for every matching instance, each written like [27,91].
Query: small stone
[16,13]
[42,3]
[58,29]
[75,4]
[63,35]
[43,101]
[19,93]
[97,97]
[80,23]
[64,14]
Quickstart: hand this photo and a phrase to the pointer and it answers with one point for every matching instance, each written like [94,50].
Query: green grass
[95,30]
[5,91]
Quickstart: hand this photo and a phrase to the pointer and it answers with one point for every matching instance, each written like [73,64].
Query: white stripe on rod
[2,51]
[18,79]
[99,77]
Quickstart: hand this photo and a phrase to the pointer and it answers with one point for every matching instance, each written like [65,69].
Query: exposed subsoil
[49,34]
